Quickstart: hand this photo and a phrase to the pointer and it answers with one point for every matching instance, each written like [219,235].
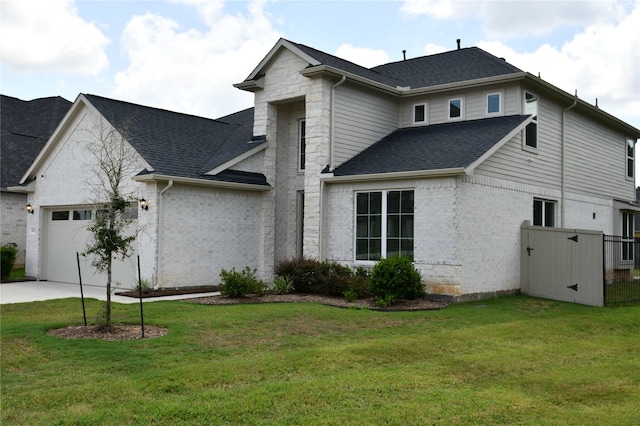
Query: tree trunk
[107,313]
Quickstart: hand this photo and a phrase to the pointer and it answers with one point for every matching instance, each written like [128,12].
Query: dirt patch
[113,333]
[340,302]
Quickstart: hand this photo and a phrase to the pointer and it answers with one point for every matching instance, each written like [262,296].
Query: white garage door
[67,235]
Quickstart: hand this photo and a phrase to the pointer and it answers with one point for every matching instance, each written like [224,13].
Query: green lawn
[512,360]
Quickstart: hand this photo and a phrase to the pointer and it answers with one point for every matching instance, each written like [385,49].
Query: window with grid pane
[384,224]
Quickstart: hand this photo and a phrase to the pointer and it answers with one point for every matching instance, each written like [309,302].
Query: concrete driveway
[31,291]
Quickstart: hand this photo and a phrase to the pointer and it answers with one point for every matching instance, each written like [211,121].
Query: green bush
[395,278]
[283,285]
[9,254]
[350,295]
[329,278]
[239,284]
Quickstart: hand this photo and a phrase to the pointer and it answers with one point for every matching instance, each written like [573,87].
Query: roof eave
[23,189]
[155,177]
[628,128]
[237,159]
[414,174]
[461,85]
[329,71]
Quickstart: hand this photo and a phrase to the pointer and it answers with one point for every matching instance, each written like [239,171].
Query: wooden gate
[562,264]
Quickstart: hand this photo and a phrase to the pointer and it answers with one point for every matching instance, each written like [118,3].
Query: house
[26,126]
[440,158]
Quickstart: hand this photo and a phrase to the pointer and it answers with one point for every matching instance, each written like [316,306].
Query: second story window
[630,158]
[302,143]
[420,114]
[456,109]
[493,104]
[531,131]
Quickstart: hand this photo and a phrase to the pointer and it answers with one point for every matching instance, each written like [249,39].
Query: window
[60,215]
[420,114]
[82,215]
[494,103]
[531,131]
[384,224]
[544,212]
[630,158]
[302,143]
[627,236]
[456,108]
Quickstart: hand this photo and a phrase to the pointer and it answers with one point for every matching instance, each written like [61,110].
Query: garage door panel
[65,238]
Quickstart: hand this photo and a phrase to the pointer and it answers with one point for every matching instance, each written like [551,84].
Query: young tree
[113,160]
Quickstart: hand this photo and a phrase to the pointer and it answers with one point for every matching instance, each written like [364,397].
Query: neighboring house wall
[205,230]
[14,223]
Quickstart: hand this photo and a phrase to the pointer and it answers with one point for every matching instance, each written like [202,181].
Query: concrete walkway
[31,291]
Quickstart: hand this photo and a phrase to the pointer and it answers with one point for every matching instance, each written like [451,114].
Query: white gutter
[330,178]
[202,182]
[563,197]
[160,224]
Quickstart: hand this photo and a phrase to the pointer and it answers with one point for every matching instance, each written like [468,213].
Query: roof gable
[448,146]
[176,144]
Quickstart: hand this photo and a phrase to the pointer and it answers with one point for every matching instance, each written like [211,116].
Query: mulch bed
[113,333]
[169,291]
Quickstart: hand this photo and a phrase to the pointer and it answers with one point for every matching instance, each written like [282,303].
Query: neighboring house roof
[183,145]
[26,126]
[448,146]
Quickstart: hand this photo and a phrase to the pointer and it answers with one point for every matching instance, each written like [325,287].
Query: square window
[544,212]
[384,224]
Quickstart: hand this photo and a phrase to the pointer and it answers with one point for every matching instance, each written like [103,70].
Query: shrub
[283,285]
[143,286]
[329,278]
[395,278]
[350,295]
[239,284]
[8,254]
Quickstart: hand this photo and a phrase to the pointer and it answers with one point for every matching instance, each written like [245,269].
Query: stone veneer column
[266,123]
[318,114]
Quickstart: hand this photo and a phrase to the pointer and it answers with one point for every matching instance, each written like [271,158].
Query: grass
[511,360]
[16,274]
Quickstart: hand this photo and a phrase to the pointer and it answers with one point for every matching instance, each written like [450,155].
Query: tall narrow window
[494,104]
[455,108]
[630,158]
[302,143]
[544,212]
[420,114]
[627,236]
[531,131]
[384,224]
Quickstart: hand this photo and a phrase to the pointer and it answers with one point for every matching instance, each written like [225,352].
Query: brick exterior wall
[14,223]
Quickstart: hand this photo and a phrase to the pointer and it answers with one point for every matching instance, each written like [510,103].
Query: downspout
[159,245]
[563,161]
[331,166]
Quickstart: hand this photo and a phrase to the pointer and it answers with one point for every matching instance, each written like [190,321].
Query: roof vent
[404,54]
[458,41]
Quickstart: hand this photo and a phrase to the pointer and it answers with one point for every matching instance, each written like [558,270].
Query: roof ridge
[427,56]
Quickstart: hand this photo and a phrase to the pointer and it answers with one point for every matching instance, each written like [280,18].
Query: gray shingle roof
[448,67]
[435,147]
[26,126]
[183,145]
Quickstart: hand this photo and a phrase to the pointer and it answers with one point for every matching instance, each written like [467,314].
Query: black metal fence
[621,270]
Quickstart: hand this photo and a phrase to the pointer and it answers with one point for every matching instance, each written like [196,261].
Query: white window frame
[500,111]
[535,121]
[302,144]
[545,221]
[631,158]
[384,218]
[461,117]
[426,114]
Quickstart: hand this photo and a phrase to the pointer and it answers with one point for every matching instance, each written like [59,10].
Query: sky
[184,55]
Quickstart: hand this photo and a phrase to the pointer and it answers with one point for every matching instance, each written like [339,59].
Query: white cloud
[362,56]
[193,71]
[600,62]
[517,18]
[49,35]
